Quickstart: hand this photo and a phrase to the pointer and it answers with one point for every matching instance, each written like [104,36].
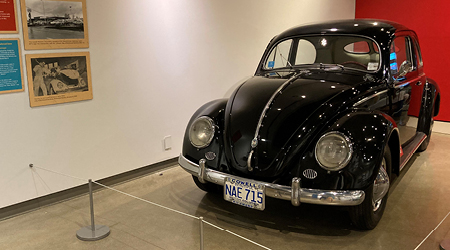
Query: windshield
[349,51]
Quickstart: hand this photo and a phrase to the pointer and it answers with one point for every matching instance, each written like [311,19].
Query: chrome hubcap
[380,186]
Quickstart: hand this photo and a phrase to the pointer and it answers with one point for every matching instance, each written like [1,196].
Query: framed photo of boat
[54,24]
[58,78]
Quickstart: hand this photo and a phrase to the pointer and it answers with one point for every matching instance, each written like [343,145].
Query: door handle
[418,83]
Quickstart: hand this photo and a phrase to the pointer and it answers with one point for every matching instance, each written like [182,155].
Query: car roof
[379,30]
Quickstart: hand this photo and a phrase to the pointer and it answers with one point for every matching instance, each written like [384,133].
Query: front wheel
[367,215]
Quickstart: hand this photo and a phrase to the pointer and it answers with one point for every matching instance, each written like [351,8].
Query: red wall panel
[430,20]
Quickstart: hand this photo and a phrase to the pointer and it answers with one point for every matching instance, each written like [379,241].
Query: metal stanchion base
[86,233]
[445,245]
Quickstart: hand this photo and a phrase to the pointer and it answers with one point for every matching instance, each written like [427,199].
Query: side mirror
[405,68]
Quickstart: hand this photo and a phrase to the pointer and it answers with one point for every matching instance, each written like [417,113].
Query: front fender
[214,110]
[369,132]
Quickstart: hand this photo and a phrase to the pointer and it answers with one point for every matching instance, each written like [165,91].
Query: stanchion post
[92,232]
[91,203]
[201,233]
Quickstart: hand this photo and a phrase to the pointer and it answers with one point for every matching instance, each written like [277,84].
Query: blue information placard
[10,66]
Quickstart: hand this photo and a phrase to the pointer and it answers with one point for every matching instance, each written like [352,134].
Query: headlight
[333,151]
[201,132]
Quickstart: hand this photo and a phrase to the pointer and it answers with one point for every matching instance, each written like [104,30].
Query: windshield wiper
[306,68]
[333,67]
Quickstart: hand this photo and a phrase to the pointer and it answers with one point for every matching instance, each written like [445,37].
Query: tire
[367,215]
[207,187]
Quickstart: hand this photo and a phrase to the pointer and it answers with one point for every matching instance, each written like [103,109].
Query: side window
[399,53]
[278,58]
[375,47]
[418,53]
[361,47]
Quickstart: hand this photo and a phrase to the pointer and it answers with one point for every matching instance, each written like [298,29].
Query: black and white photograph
[54,19]
[58,78]
[51,24]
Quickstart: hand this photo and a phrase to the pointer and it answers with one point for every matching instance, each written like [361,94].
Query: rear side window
[361,47]
[375,47]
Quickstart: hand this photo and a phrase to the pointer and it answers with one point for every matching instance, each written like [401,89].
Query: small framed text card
[10,66]
[8,17]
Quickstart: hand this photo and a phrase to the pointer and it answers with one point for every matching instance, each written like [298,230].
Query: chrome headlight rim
[213,128]
[344,163]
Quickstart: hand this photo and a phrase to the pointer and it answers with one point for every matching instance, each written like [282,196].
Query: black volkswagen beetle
[333,110]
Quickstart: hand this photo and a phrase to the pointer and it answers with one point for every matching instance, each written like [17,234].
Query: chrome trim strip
[275,94]
[290,193]
[401,85]
[411,153]
[369,97]
[263,114]
[377,94]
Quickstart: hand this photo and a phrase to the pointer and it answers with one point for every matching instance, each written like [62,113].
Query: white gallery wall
[153,63]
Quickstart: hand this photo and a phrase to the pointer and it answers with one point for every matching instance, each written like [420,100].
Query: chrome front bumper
[294,193]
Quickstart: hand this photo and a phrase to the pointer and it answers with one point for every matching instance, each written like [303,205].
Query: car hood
[291,112]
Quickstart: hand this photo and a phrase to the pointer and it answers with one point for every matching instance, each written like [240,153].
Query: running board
[409,150]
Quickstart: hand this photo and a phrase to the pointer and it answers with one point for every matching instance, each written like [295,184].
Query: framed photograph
[11,74]
[8,17]
[58,78]
[54,24]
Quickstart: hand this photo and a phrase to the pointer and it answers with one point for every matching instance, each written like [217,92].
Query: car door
[417,88]
[407,89]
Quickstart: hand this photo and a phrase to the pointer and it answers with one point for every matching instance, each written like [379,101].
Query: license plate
[244,193]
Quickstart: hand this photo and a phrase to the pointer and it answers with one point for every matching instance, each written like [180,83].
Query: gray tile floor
[419,200]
